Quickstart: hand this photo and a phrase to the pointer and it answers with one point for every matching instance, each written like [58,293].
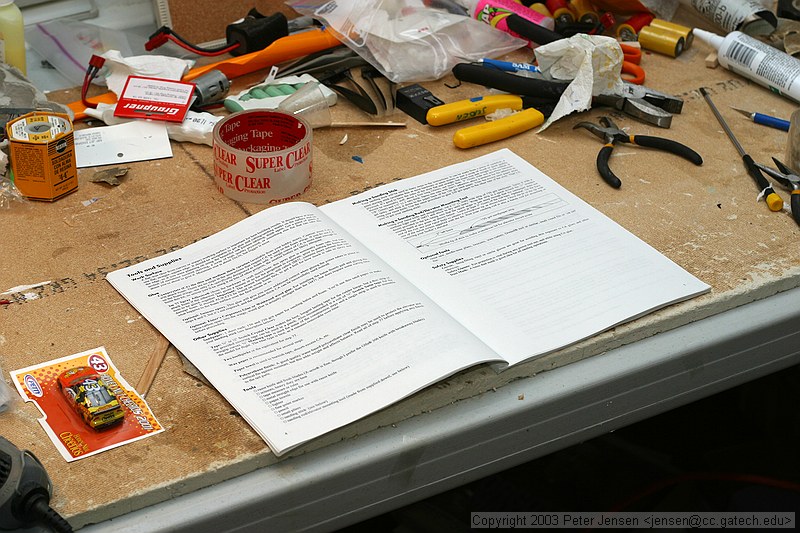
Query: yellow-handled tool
[471,108]
[498,129]
[481,106]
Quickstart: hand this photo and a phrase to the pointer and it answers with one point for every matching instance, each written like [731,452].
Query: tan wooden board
[706,218]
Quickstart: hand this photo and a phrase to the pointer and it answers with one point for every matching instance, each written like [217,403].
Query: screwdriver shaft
[773,200]
[722,122]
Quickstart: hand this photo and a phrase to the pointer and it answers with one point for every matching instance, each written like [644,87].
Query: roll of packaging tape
[262,157]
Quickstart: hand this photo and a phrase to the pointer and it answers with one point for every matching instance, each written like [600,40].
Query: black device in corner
[25,490]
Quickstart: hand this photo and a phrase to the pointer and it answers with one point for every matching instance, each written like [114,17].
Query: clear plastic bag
[409,40]
[68,45]
[9,194]
[5,393]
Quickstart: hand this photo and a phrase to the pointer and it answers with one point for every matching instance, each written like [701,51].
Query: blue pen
[765,120]
[509,66]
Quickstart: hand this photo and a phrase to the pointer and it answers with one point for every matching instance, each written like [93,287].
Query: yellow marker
[471,108]
[498,129]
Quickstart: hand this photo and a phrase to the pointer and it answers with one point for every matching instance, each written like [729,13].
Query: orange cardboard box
[43,155]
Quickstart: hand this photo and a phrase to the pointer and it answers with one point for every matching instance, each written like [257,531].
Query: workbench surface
[707,219]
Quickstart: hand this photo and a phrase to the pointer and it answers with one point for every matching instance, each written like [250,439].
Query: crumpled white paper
[197,127]
[592,62]
[118,68]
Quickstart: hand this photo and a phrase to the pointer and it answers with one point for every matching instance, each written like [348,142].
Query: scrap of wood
[153,364]
[712,61]
[192,370]
[367,123]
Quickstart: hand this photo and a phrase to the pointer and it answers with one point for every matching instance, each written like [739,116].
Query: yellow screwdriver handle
[498,129]
[471,108]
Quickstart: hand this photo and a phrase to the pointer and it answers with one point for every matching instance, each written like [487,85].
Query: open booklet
[306,319]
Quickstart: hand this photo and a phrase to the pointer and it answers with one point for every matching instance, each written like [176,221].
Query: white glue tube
[756,61]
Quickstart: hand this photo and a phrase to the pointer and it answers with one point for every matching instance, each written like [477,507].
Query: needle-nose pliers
[789,179]
[611,134]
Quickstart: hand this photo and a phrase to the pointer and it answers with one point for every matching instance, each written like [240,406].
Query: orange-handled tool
[632,56]
[286,48]
[283,49]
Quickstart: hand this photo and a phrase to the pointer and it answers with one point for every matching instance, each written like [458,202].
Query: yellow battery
[663,41]
[585,11]
[684,31]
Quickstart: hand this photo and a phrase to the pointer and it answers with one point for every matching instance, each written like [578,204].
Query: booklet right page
[513,256]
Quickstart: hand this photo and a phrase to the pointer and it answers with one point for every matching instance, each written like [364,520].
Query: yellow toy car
[90,397]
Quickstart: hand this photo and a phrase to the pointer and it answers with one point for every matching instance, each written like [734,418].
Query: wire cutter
[789,179]
[611,134]
[643,103]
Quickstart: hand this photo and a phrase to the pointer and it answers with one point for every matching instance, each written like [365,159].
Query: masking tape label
[262,156]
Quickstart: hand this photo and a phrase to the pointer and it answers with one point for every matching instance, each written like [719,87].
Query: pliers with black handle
[638,101]
[789,179]
[611,134]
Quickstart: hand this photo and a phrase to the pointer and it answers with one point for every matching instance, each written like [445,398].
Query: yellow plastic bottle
[12,35]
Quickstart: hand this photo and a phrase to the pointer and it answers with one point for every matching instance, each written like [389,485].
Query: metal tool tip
[783,168]
[742,111]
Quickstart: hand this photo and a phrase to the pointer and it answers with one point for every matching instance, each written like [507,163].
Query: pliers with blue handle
[611,134]
[789,179]
[638,101]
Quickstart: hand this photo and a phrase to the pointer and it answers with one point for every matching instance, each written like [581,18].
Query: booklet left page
[298,326]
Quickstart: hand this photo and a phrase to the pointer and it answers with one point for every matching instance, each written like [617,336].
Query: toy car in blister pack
[87,406]
[90,397]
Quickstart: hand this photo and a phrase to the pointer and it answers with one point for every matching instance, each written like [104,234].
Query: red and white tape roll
[262,157]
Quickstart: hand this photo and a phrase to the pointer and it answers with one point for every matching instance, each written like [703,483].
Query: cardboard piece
[707,219]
